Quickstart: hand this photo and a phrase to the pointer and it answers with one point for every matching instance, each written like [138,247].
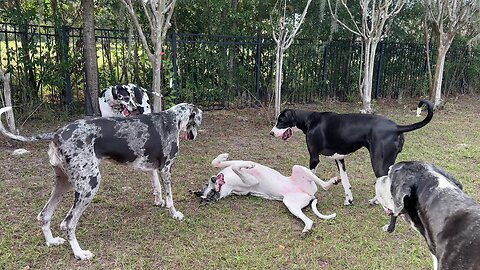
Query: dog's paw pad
[348,202]
[336,180]
[249,165]
[307,231]
[222,157]
[84,255]
[56,241]
[178,215]
[373,202]
[160,203]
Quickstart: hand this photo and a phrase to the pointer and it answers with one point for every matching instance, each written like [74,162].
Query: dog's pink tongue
[287,134]
[220,181]
[126,112]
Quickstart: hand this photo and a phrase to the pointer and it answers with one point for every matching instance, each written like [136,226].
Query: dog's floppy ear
[114,92]
[402,187]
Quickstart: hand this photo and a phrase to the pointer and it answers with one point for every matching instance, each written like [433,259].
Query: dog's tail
[320,215]
[407,128]
[39,137]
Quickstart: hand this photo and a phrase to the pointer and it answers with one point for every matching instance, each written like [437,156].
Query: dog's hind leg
[157,189]
[345,183]
[314,160]
[295,202]
[167,183]
[86,183]
[248,179]
[61,186]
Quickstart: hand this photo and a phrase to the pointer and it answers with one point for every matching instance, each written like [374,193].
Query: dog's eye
[213,179]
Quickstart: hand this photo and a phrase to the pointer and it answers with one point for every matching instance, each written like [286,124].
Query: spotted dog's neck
[182,114]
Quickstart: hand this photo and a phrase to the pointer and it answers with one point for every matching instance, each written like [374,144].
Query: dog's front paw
[223,157]
[385,228]
[348,201]
[56,241]
[159,202]
[373,201]
[178,215]
[84,255]
[335,180]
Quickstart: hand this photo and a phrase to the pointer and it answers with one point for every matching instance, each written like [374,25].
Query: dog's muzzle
[209,192]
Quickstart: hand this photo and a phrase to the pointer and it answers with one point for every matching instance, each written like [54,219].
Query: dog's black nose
[271,133]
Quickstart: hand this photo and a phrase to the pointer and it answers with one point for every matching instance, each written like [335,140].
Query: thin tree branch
[129,6]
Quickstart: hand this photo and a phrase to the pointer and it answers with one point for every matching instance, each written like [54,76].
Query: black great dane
[338,135]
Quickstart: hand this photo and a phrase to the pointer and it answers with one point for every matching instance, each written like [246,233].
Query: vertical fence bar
[258,65]
[68,81]
[378,85]
[174,62]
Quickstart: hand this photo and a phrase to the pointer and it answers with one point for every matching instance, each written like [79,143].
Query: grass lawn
[125,231]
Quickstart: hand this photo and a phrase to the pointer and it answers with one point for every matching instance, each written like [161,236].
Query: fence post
[68,81]
[258,64]
[174,62]
[324,70]
[379,70]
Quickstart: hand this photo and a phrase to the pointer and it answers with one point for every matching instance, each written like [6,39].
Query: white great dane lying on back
[249,178]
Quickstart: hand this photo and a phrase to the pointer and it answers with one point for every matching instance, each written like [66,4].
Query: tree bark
[369,63]
[7,94]
[278,79]
[90,56]
[436,90]
[156,83]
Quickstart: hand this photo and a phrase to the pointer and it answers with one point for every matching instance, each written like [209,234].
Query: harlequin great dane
[338,135]
[249,178]
[147,142]
[433,202]
[124,100]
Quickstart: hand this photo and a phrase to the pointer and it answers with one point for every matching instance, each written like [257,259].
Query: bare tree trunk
[278,79]
[156,83]
[366,90]
[436,90]
[7,94]
[90,55]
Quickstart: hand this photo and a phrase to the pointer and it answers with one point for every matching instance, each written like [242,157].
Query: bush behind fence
[218,71]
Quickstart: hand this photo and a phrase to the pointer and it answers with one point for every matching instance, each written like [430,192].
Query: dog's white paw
[348,201]
[222,157]
[178,215]
[373,201]
[56,241]
[159,202]
[308,226]
[335,180]
[385,228]
[243,165]
[84,255]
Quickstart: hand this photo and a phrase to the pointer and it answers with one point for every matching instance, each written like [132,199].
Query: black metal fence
[217,71]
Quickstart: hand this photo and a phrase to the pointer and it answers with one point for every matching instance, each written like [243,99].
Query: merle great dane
[124,100]
[433,202]
[147,142]
[338,135]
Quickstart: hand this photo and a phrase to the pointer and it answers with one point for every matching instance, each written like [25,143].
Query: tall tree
[285,28]
[7,99]
[158,14]
[376,16]
[90,56]
[447,18]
